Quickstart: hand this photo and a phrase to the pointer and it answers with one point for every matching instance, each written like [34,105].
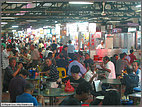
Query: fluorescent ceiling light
[17,2]
[31,20]
[13,30]
[3,23]
[138,6]
[114,21]
[80,2]
[14,26]
[8,18]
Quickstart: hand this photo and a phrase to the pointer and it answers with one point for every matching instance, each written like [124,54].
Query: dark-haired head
[83,90]
[69,41]
[112,97]
[122,55]
[76,57]
[80,53]
[131,51]
[75,69]
[106,59]
[129,70]
[29,87]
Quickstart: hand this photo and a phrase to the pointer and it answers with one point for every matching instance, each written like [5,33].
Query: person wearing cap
[16,86]
[70,50]
[101,46]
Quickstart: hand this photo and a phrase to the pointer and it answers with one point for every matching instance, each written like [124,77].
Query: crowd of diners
[18,57]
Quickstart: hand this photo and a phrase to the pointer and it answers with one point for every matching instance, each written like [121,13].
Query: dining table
[53,93]
[113,82]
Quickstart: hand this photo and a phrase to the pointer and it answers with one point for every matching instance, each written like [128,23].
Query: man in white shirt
[108,66]
[70,50]
[101,46]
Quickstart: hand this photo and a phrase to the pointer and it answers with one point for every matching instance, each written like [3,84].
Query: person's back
[53,46]
[17,84]
[121,64]
[130,80]
[71,100]
[26,97]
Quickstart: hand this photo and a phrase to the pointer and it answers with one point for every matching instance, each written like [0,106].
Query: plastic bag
[69,87]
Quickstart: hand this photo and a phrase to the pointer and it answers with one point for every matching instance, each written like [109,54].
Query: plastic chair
[62,70]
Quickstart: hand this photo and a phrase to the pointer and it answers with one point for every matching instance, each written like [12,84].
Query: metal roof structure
[41,13]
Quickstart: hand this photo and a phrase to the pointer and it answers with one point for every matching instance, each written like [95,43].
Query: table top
[55,92]
[137,94]
[111,81]
[37,78]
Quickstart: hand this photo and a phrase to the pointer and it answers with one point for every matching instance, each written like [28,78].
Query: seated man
[27,97]
[82,94]
[108,66]
[88,61]
[130,80]
[10,72]
[76,61]
[16,86]
[51,71]
[137,71]
[62,62]
[91,74]
[74,78]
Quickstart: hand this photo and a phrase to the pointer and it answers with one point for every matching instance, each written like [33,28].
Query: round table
[54,92]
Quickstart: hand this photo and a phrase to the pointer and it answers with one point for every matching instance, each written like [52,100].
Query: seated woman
[74,78]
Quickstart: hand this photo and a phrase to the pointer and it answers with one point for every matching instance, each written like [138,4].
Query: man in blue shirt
[27,97]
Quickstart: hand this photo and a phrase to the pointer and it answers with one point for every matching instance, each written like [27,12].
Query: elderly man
[35,57]
[108,66]
[10,72]
[76,61]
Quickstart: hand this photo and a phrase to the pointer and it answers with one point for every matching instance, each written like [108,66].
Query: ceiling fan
[103,12]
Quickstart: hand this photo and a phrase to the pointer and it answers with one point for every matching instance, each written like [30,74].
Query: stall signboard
[116,30]
[132,29]
[92,28]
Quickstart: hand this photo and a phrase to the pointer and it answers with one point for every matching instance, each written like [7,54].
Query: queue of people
[80,68]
